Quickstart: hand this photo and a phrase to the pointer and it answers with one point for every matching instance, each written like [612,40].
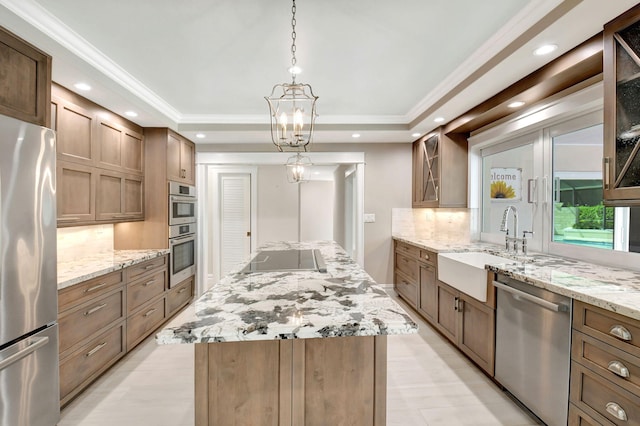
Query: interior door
[235,220]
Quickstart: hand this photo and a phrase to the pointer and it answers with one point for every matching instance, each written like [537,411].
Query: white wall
[277,206]
[316,210]
[338,205]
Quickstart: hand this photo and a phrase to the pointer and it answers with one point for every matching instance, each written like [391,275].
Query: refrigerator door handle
[33,346]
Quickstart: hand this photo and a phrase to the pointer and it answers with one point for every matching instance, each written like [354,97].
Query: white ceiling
[380,68]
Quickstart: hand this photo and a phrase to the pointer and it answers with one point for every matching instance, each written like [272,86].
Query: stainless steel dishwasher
[533,345]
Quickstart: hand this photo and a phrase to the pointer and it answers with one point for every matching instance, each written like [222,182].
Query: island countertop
[344,301]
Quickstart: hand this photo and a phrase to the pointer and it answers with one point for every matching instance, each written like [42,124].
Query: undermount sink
[465,271]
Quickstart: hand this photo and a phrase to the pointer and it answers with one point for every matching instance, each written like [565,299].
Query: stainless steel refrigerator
[29,391]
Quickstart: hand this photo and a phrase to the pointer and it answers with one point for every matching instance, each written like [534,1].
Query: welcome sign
[506,184]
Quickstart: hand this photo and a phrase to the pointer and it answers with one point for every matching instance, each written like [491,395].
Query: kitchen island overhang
[291,348]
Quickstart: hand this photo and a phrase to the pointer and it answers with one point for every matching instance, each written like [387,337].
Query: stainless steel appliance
[29,389]
[286,260]
[182,246]
[533,344]
[182,203]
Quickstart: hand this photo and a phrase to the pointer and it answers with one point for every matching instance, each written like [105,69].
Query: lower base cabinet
[103,318]
[465,321]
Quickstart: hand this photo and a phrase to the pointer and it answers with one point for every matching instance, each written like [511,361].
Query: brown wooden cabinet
[181,158]
[119,197]
[621,110]
[101,163]
[440,170]
[103,318]
[465,321]
[25,86]
[605,367]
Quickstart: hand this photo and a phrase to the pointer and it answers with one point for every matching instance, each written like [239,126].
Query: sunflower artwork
[500,189]
[505,184]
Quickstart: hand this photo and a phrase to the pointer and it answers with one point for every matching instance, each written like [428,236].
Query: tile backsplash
[426,223]
[78,241]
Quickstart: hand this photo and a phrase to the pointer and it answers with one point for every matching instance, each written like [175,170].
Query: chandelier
[292,106]
[298,168]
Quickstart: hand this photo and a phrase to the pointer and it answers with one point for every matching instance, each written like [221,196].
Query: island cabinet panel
[25,86]
[337,381]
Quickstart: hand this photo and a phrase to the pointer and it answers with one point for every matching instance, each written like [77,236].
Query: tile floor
[429,383]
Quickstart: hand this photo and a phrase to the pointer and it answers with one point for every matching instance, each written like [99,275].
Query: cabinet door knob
[618,368]
[616,411]
[620,332]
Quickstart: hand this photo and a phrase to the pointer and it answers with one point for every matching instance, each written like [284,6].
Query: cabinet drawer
[408,266]
[85,320]
[615,329]
[141,291]
[613,364]
[86,290]
[141,324]
[407,249]
[600,398]
[140,269]
[578,417]
[179,295]
[406,288]
[92,359]
[428,257]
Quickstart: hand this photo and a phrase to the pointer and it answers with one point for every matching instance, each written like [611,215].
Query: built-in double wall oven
[182,232]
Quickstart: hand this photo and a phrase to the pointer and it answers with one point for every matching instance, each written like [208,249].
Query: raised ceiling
[382,69]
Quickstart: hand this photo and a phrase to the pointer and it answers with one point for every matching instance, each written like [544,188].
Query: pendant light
[292,106]
[298,168]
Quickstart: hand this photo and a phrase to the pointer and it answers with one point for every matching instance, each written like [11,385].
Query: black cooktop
[285,260]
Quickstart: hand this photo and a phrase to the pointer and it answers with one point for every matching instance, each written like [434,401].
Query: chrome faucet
[504,227]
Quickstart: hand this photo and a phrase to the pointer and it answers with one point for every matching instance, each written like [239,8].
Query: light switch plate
[369,217]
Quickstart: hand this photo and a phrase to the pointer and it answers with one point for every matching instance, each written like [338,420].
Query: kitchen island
[295,347]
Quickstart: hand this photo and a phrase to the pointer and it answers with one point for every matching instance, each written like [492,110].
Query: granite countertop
[344,301]
[614,289]
[96,264]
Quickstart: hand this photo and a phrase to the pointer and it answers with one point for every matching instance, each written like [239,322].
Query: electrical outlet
[369,217]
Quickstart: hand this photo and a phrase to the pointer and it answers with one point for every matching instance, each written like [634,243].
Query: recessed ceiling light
[438,119]
[200,135]
[82,86]
[515,104]
[131,114]
[545,49]
[415,135]
[355,135]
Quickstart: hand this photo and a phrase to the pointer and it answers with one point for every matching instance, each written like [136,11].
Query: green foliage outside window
[594,217]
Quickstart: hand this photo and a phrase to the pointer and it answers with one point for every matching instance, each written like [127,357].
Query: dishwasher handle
[556,307]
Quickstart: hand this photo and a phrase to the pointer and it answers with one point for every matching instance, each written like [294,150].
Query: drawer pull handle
[620,332]
[149,312]
[96,349]
[149,266]
[94,310]
[148,283]
[618,368]
[182,290]
[616,411]
[95,287]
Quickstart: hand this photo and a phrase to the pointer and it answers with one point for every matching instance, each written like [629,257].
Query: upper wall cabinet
[25,83]
[622,109]
[100,162]
[440,170]
[181,158]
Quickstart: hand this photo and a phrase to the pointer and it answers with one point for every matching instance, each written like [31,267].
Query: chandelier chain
[293,34]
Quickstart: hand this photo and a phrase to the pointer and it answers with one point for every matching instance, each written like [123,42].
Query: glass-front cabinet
[440,170]
[622,109]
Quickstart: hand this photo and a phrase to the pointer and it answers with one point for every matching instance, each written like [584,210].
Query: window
[548,165]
